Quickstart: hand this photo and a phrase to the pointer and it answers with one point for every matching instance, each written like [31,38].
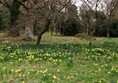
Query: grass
[59,60]
[48,39]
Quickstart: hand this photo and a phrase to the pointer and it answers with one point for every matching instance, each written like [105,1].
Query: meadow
[59,60]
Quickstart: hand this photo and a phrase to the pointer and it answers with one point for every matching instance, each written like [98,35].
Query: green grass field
[59,60]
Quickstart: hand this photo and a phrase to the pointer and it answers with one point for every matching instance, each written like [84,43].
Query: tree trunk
[29,31]
[108,34]
[14,16]
[47,24]
[39,39]
[40,36]
[15,10]
[90,41]
[51,29]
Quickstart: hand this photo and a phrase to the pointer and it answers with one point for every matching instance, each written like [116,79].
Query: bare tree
[110,10]
[52,10]
[90,9]
[47,9]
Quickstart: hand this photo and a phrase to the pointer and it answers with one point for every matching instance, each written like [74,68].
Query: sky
[100,7]
[78,3]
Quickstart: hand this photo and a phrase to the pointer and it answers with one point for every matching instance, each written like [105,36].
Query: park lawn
[59,60]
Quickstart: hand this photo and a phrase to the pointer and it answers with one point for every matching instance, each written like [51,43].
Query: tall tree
[111,9]
[89,16]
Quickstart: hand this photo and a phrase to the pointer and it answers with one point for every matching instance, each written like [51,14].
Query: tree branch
[6,4]
[22,3]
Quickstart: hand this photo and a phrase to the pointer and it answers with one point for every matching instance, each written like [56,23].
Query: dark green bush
[71,28]
[4,19]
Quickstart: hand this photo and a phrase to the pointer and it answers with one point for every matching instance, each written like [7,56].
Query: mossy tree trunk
[15,10]
[29,31]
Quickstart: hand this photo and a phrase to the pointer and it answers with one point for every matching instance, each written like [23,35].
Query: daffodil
[54,77]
